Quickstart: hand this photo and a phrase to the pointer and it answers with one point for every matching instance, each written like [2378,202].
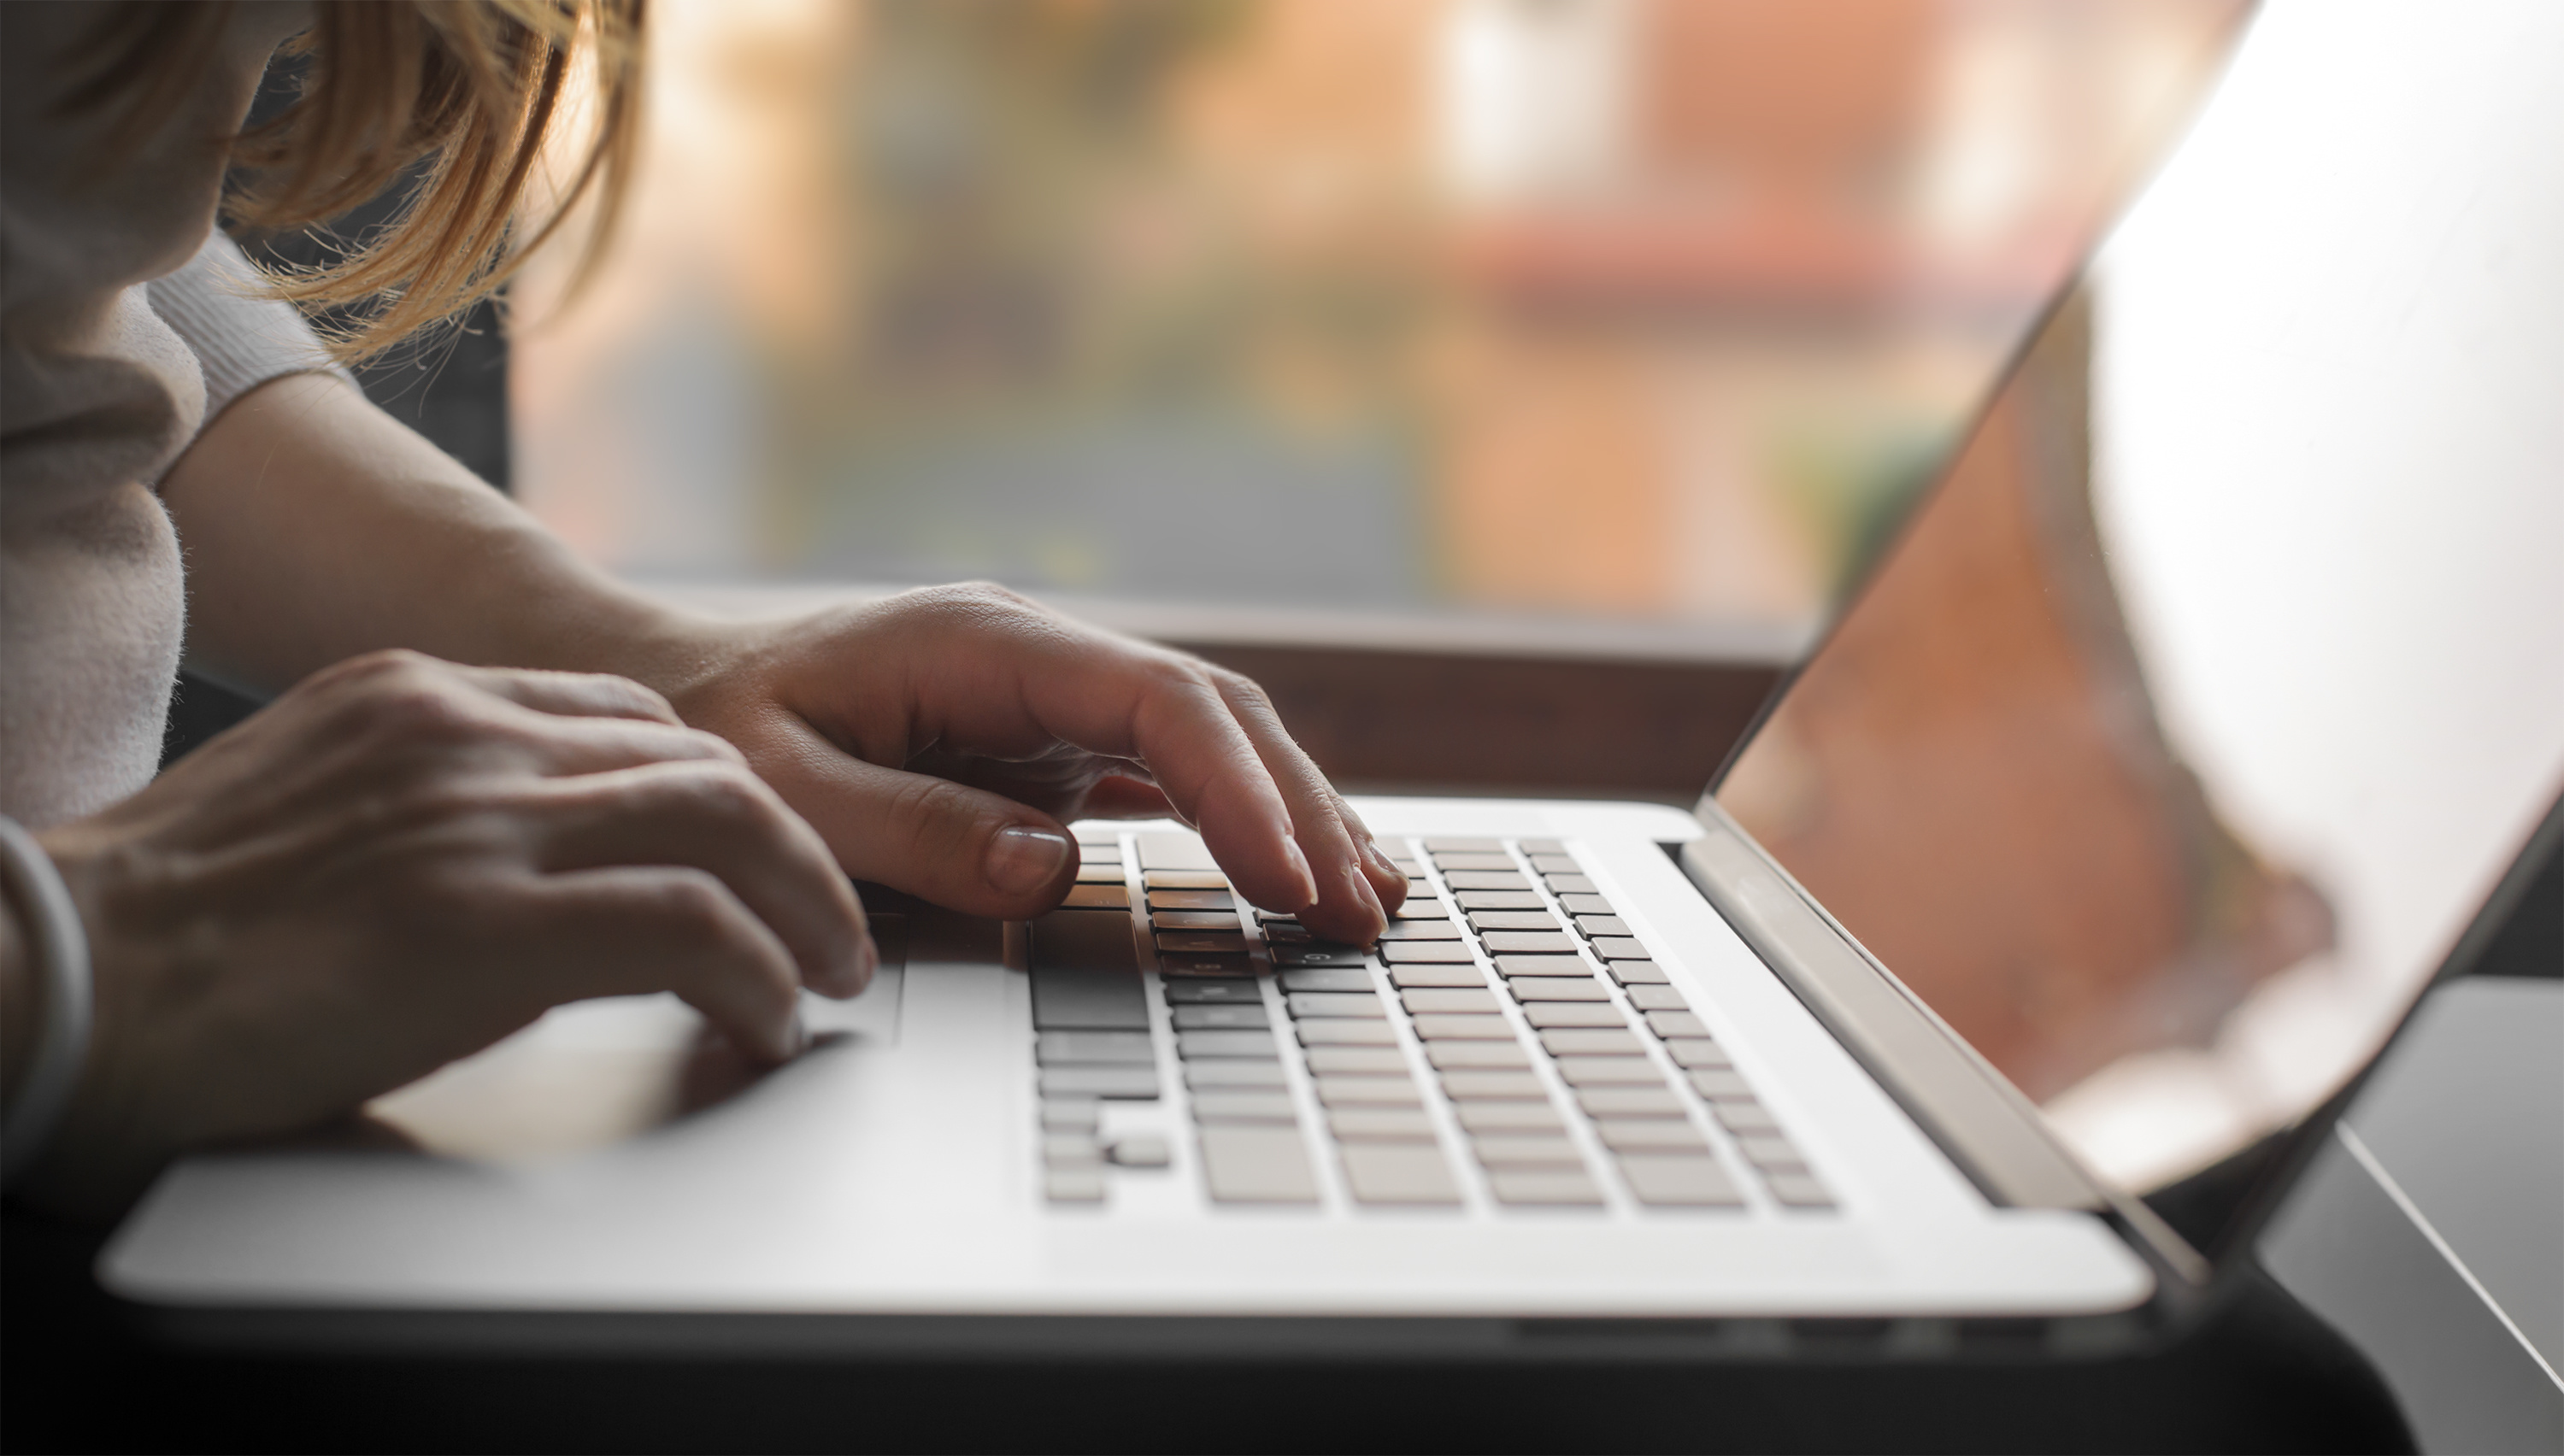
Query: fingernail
[1363,894]
[1378,860]
[796,1037]
[1021,861]
[1300,868]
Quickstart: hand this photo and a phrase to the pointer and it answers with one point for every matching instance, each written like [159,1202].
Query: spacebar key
[1257,1166]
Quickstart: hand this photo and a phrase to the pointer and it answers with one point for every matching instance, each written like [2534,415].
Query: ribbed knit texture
[242,341]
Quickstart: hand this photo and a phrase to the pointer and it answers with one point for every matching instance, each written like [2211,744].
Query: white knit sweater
[124,326]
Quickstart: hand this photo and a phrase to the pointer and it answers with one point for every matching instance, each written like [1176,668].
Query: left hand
[940,740]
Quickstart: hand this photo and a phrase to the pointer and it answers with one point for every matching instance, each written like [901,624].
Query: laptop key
[1530,989]
[1463,1028]
[1193,920]
[1485,1056]
[1426,908]
[1099,851]
[1239,1017]
[1229,1105]
[1139,1149]
[1675,1023]
[1085,972]
[1609,1072]
[1798,1190]
[1773,1153]
[1434,930]
[1203,943]
[1720,1084]
[1628,1102]
[1213,993]
[1635,972]
[1071,1114]
[1589,924]
[1556,864]
[1346,1032]
[1697,1052]
[1586,904]
[1551,1186]
[1592,1041]
[1530,943]
[1399,1173]
[1551,1015]
[1319,952]
[1512,919]
[1306,1005]
[1652,1135]
[1657,998]
[1426,953]
[1073,1185]
[1328,978]
[1430,977]
[1257,1166]
[1184,880]
[1514,965]
[1112,895]
[1510,1117]
[1062,1048]
[1472,860]
[1471,1086]
[1370,1091]
[1467,1001]
[1361,1060]
[1500,900]
[1663,1181]
[1488,880]
[1380,1125]
[1463,844]
[1234,1074]
[1744,1119]
[1620,947]
[1191,899]
[1525,1149]
[1570,885]
[1192,1044]
[1134,1083]
[1109,873]
[1286,933]
[1543,846]
[1204,965]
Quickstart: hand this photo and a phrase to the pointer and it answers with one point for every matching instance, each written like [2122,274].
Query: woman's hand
[400,861]
[938,740]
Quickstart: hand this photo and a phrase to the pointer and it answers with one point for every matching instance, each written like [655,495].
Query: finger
[959,847]
[720,819]
[1352,904]
[1120,797]
[570,694]
[629,929]
[1166,710]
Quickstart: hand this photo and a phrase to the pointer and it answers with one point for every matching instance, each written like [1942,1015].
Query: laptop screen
[2190,721]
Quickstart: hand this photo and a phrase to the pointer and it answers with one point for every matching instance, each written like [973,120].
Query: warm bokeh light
[1604,306]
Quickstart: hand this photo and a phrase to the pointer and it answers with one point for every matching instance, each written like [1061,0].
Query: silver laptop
[2171,749]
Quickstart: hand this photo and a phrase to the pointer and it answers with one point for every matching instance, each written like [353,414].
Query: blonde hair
[467,91]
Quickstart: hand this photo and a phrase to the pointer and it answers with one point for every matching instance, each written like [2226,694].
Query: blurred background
[1633,322]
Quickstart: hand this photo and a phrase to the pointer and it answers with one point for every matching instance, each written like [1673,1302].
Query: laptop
[2174,742]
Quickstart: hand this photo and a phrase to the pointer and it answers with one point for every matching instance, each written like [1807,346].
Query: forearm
[317,527]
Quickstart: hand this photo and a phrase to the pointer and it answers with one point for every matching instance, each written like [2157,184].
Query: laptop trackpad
[597,1073]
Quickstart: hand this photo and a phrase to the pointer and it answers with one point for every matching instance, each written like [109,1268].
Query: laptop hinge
[1987,1126]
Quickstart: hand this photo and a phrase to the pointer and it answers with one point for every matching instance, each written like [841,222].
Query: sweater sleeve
[240,339]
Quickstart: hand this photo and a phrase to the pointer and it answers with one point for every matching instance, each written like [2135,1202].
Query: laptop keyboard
[1509,1042]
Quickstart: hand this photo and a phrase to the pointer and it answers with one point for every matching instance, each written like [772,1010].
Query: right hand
[400,861]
